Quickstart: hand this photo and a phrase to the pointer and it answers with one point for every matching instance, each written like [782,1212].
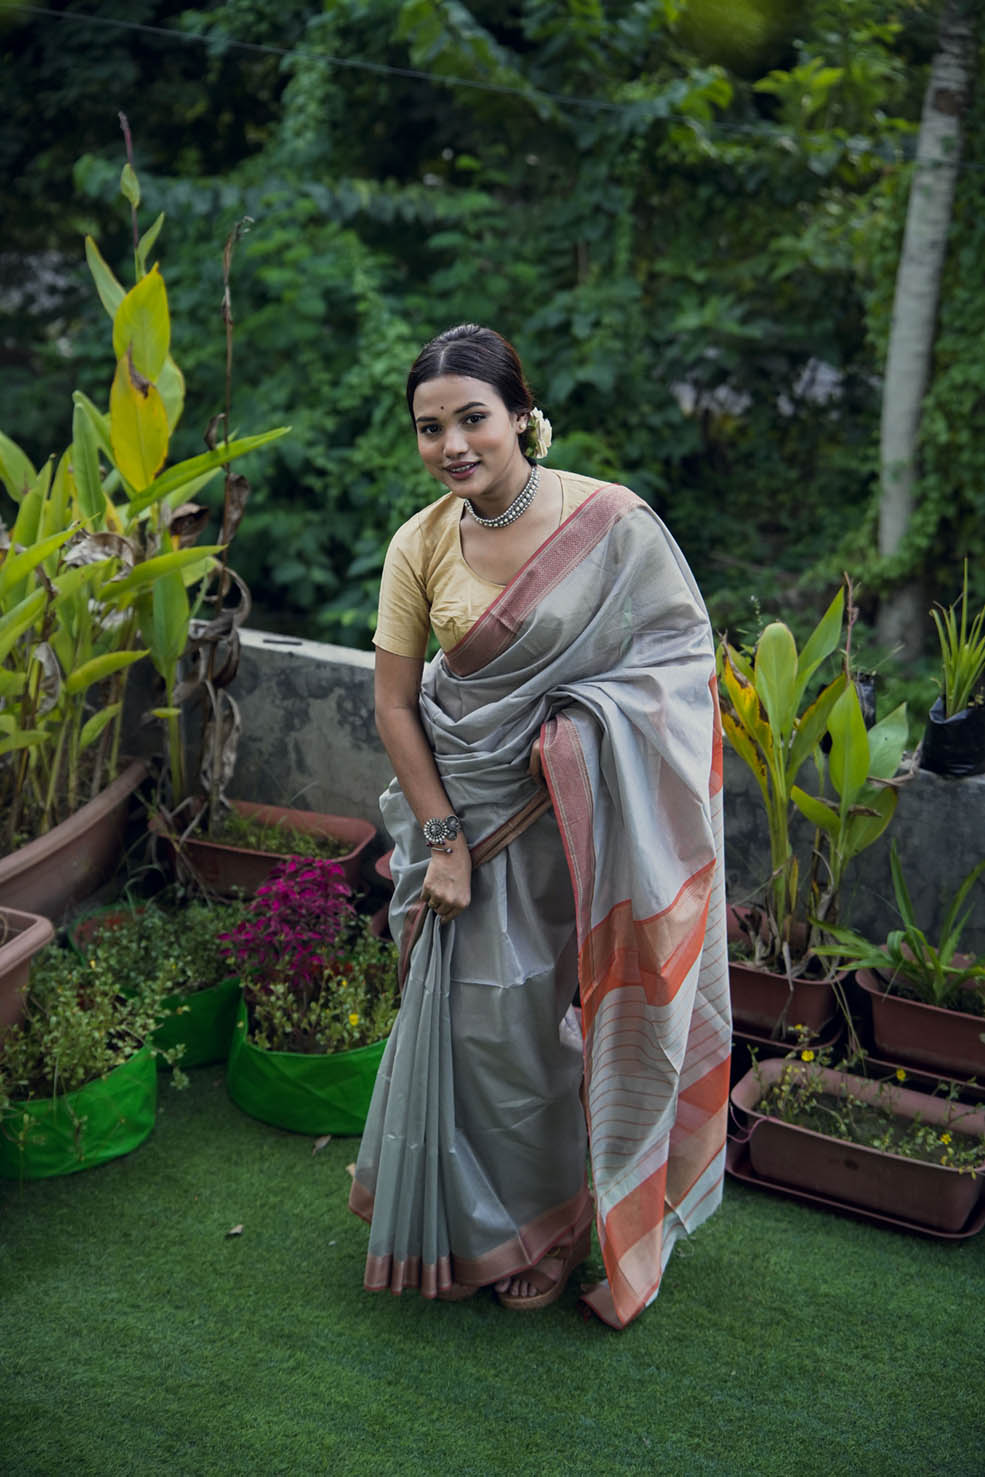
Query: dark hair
[475,353]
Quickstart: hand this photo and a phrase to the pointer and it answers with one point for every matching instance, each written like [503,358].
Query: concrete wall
[309,740]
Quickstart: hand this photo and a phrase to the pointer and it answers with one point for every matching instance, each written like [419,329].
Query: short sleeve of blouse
[403,620]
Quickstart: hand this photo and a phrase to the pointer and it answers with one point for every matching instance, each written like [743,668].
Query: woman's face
[468,439]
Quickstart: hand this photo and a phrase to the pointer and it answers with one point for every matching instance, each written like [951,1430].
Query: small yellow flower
[945,1138]
[343,984]
[807,1056]
[353,1018]
[900,1075]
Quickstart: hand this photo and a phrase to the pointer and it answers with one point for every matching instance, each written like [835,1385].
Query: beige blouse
[426,581]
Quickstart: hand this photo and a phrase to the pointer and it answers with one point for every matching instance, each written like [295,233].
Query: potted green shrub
[927,999]
[954,739]
[909,1157]
[94,575]
[320,996]
[179,946]
[775,728]
[78,1076]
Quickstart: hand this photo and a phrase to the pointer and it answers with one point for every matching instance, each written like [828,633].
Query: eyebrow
[471,405]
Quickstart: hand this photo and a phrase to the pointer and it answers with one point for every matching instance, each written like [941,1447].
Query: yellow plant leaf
[142,325]
[138,425]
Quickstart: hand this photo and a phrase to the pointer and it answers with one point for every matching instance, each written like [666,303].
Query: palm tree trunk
[911,339]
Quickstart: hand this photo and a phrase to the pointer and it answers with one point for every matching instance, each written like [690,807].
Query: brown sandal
[550,1275]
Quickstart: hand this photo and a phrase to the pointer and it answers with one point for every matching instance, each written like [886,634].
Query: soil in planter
[277,836]
[876,1128]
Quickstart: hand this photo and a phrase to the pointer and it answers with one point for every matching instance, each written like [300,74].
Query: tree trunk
[911,339]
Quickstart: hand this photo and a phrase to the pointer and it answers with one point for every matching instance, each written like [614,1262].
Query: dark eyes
[472,419]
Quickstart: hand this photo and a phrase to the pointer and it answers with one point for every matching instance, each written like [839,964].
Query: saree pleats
[473,1161]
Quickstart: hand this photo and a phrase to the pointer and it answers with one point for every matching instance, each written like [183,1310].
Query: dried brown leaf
[187,523]
[90,548]
[212,430]
[237,491]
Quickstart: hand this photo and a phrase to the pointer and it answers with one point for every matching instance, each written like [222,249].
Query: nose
[456,442]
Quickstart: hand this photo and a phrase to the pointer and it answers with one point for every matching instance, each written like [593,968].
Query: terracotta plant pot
[926,1035]
[934,1195]
[21,936]
[54,872]
[227,869]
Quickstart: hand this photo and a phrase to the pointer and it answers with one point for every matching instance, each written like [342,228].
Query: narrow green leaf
[182,473]
[98,668]
[822,641]
[111,293]
[861,829]
[15,621]
[146,243]
[144,575]
[85,467]
[813,721]
[817,811]
[16,566]
[171,385]
[94,727]
[887,741]
[28,738]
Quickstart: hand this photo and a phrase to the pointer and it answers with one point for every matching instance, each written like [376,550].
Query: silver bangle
[438,830]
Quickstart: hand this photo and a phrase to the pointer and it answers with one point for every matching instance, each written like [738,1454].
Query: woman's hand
[448,882]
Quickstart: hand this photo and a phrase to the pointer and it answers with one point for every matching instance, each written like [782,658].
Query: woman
[556,818]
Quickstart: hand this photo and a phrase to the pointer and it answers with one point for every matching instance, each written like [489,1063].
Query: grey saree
[609,878]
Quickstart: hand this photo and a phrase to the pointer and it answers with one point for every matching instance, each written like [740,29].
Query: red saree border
[556,557]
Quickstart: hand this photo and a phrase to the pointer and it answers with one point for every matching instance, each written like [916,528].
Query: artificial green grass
[137,1338]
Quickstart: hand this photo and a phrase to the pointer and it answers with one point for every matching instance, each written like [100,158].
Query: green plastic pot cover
[42,1137]
[202,1020]
[302,1092]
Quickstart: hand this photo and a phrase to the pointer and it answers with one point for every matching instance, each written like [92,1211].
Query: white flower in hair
[538,434]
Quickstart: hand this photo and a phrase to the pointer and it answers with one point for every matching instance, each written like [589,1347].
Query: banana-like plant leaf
[169,625]
[16,470]
[12,684]
[776,678]
[98,668]
[183,473]
[820,813]
[138,425]
[813,722]
[100,422]
[887,741]
[848,762]
[866,824]
[142,324]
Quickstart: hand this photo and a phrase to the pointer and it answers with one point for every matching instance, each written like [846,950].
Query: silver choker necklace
[517,507]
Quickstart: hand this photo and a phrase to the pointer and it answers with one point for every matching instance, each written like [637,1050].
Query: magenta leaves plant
[295,926]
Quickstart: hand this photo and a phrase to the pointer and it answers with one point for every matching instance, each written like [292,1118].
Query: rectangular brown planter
[953,1041]
[21,936]
[55,871]
[226,869]
[934,1195]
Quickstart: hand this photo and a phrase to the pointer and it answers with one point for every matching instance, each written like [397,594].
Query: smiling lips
[461,469]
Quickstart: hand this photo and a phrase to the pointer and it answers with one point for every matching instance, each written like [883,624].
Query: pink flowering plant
[315,978]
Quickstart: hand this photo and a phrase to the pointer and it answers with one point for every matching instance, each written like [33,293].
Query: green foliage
[962,651]
[78,1025]
[909,962]
[685,215]
[172,949]
[355,1002]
